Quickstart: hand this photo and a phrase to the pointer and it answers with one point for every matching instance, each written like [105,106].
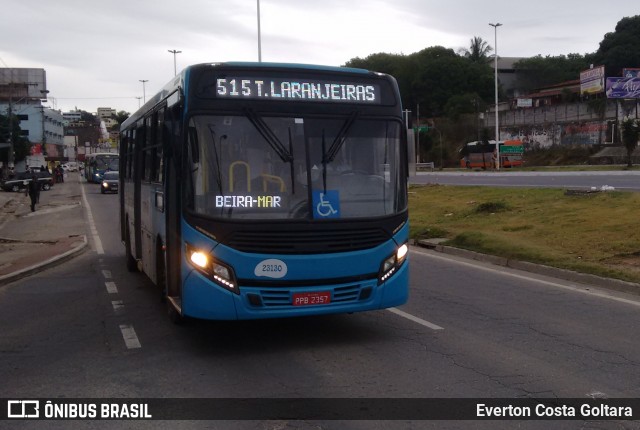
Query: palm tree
[478,51]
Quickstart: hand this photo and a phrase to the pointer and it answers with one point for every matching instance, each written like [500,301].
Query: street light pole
[174,52]
[495,29]
[11,158]
[144,94]
[259,36]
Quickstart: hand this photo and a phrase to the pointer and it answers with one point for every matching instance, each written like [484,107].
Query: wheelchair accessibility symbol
[326,204]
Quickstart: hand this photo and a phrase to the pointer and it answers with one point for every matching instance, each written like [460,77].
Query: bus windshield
[252,167]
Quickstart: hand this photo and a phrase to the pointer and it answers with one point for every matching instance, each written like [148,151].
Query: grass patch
[491,207]
[596,235]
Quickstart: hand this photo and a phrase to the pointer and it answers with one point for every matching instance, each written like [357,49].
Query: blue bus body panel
[332,273]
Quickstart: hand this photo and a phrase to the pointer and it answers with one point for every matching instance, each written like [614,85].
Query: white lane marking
[106,274]
[111,287]
[415,319]
[118,306]
[129,336]
[577,289]
[92,226]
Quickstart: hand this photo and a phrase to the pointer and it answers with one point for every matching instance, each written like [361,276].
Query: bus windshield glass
[253,167]
[106,162]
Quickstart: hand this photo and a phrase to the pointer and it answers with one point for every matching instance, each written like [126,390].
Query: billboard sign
[525,103]
[623,88]
[631,72]
[592,80]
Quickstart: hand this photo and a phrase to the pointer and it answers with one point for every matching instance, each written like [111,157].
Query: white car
[71,166]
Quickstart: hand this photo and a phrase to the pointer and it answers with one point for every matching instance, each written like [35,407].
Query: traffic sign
[511,149]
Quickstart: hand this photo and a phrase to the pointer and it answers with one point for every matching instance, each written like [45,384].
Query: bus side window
[193,145]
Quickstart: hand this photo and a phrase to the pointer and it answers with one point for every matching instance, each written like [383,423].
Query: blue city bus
[263,190]
[97,163]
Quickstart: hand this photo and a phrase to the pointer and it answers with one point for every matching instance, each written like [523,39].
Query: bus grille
[306,242]
[282,297]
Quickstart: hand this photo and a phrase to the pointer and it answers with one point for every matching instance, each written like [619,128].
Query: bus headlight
[392,263]
[212,268]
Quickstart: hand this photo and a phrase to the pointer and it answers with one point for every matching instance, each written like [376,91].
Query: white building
[72,117]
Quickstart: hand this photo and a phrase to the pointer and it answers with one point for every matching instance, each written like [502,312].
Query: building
[22,92]
[107,115]
[43,127]
[507,75]
[105,112]
[72,117]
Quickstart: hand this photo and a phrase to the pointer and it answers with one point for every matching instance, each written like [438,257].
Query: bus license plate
[308,299]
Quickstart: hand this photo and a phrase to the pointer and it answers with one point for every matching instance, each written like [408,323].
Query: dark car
[20,180]
[109,182]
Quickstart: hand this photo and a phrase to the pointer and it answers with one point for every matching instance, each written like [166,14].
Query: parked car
[110,181]
[20,180]
[70,166]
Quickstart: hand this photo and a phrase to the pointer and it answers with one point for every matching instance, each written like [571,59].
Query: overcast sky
[96,52]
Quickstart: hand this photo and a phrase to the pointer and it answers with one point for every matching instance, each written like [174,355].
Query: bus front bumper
[203,299]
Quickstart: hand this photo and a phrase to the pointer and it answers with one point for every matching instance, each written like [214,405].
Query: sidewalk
[32,241]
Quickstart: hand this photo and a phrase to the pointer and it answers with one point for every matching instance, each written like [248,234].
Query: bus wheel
[132,265]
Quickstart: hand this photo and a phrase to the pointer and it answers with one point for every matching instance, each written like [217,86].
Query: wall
[563,124]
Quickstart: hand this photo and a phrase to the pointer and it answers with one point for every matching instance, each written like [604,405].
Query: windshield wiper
[269,135]
[341,137]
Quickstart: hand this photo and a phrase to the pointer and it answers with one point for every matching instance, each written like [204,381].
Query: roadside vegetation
[593,233]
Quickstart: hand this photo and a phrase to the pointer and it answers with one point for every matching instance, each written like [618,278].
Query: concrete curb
[539,269]
[56,259]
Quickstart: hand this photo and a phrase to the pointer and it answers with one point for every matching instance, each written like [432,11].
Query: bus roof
[294,66]
[179,80]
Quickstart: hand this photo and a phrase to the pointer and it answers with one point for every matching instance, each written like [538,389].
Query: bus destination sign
[280,89]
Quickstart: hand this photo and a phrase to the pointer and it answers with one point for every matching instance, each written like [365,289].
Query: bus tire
[132,265]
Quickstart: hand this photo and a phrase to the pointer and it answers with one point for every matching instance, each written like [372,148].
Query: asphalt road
[621,180]
[89,328]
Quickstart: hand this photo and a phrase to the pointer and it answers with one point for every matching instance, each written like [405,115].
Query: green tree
[478,50]
[621,48]
[21,145]
[537,72]
[88,117]
[630,132]
[121,116]
[431,77]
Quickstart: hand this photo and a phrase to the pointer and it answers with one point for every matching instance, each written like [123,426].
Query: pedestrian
[59,174]
[33,190]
